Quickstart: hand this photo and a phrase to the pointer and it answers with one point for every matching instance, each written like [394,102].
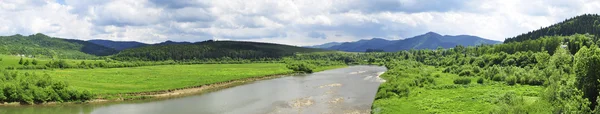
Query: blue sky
[293,22]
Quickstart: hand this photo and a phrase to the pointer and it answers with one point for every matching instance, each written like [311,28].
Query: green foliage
[301,67]
[582,24]
[31,88]
[463,80]
[21,61]
[222,50]
[568,84]
[34,62]
[511,80]
[26,63]
[587,63]
[480,80]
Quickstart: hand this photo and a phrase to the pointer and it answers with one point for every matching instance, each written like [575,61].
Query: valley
[550,70]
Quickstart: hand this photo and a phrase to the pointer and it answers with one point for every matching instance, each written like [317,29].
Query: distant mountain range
[40,44]
[430,40]
[325,46]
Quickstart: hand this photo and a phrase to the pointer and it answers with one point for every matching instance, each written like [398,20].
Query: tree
[34,62]
[587,63]
[21,61]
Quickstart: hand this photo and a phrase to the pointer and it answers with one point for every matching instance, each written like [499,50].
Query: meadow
[163,77]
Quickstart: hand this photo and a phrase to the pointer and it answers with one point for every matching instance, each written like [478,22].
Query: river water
[345,90]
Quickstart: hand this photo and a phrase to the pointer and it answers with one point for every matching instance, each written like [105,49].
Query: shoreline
[171,93]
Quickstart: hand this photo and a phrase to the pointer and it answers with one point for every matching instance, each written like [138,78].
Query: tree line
[587,23]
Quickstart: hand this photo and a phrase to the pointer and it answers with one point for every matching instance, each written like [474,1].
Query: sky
[292,22]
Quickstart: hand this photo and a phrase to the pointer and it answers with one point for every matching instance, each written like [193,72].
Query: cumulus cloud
[293,22]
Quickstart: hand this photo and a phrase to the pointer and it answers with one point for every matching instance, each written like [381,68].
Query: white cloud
[294,22]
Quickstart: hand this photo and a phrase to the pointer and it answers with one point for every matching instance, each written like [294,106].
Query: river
[345,90]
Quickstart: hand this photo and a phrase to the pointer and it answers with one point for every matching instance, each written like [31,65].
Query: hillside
[429,40]
[588,23]
[42,45]
[118,45]
[211,50]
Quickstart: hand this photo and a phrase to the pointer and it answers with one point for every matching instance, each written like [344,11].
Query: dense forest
[223,50]
[118,45]
[588,23]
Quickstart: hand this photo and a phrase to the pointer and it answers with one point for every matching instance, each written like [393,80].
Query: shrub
[466,73]
[480,80]
[402,90]
[31,88]
[511,80]
[34,62]
[26,62]
[498,78]
[462,80]
[301,67]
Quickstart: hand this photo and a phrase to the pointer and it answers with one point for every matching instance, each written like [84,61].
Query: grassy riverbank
[114,81]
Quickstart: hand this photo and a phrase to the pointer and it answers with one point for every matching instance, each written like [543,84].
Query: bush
[480,81]
[511,80]
[466,73]
[301,67]
[498,78]
[402,90]
[31,88]
[463,81]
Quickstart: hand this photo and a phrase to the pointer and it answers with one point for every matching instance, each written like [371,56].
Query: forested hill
[588,23]
[430,40]
[118,45]
[42,45]
[211,50]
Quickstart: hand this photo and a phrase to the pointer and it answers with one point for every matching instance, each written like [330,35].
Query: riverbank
[207,78]
[179,92]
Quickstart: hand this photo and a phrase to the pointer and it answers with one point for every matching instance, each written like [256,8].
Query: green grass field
[469,100]
[163,77]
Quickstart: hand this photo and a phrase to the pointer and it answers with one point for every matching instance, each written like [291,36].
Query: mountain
[362,45]
[169,42]
[587,23]
[430,40]
[42,45]
[118,45]
[326,45]
[211,50]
